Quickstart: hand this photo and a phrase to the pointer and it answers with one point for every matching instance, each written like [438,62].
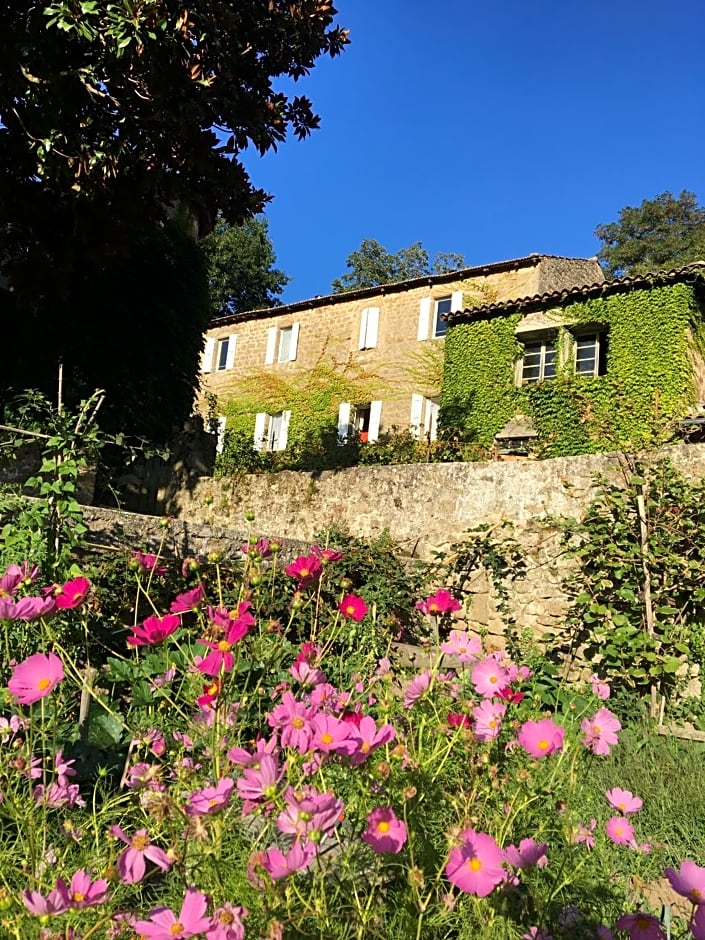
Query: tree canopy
[240,265]
[121,125]
[663,232]
[372,265]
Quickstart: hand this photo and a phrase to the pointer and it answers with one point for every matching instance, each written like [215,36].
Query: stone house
[364,361]
[615,365]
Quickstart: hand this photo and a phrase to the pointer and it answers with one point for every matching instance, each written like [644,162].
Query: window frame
[221,357]
[600,338]
[545,342]
[287,331]
[437,313]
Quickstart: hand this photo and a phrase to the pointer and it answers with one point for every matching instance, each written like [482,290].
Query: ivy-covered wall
[653,342]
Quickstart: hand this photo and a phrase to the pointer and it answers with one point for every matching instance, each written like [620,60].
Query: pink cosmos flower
[641,926]
[10,581]
[310,816]
[458,720]
[689,881]
[56,902]
[620,830]
[536,933]
[327,555]
[353,607]
[28,608]
[416,688]
[148,562]
[278,865]
[488,719]
[131,864]
[221,657]
[599,688]
[527,855]
[385,832]
[154,630]
[541,738]
[210,799]
[83,892]
[35,678]
[460,644]
[227,923]
[211,691]
[367,738]
[188,601]
[442,602]
[163,924]
[601,731]
[330,734]
[259,550]
[72,594]
[294,721]
[585,834]
[489,677]
[307,570]
[475,866]
[624,800]
[259,782]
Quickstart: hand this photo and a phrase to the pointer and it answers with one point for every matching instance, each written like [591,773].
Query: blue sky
[493,129]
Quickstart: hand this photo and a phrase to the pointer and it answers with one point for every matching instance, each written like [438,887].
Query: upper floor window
[539,360]
[431,326]
[442,306]
[282,343]
[219,351]
[226,353]
[369,324]
[591,353]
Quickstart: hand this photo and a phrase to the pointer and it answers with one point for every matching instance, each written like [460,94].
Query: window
[222,351]
[591,353]
[359,422]
[442,306]
[369,323]
[271,431]
[430,311]
[283,343]
[423,421]
[539,360]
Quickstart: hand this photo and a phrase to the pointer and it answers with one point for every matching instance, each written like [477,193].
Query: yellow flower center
[696,893]
[542,745]
[304,572]
[140,842]
[297,723]
[383,826]
[596,729]
[350,610]
[474,864]
[43,684]
[224,646]
[176,929]
[78,896]
[493,679]
[327,738]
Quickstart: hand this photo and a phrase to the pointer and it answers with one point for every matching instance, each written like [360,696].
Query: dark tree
[372,265]
[664,232]
[116,120]
[240,264]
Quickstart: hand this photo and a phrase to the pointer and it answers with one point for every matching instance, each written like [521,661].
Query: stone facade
[429,506]
[390,333]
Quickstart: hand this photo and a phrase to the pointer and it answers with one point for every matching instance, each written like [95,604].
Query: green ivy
[648,385]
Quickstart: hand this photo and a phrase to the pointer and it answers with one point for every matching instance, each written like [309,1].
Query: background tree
[239,262]
[372,265]
[663,232]
[118,122]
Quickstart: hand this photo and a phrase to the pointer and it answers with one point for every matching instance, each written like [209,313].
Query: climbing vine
[652,336]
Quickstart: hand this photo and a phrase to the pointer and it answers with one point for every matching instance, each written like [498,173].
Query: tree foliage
[239,261]
[121,126]
[372,265]
[663,232]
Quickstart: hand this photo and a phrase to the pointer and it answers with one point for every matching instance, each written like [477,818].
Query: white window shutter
[294,341]
[232,343]
[207,355]
[424,318]
[344,428]
[375,417]
[362,341]
[456,301]
[372,326]
[260,430]
[430,424]
[284,433]
[416,415]
[271,345]
[220,432]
